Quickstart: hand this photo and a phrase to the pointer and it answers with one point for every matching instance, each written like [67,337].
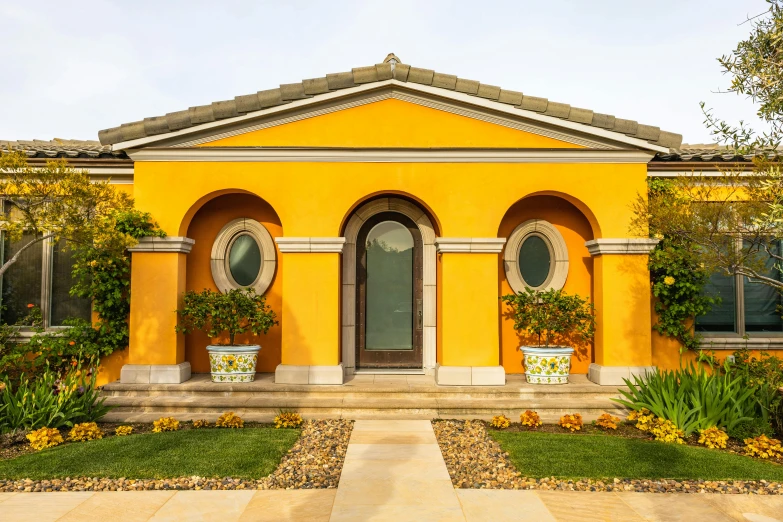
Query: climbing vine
[678,279]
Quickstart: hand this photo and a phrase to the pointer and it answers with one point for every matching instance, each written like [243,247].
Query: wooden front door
[389,314]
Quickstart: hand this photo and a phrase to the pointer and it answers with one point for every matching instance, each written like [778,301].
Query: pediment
[393,114]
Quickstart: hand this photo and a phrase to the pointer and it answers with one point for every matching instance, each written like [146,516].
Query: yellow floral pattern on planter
[547,370]
[233,367]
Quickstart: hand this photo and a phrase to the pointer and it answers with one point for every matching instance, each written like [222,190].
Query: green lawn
[242,453]
[603,456]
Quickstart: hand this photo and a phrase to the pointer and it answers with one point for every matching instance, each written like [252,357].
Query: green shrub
[51,401]
[694,399]
[552,315]
[750,429]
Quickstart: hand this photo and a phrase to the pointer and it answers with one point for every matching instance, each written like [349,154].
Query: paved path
[393,472]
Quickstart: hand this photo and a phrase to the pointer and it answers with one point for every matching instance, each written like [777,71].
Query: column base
[155,373]
[614,375]
[470,376]
[294,374]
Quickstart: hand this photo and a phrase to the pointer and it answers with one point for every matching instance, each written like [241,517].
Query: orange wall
[575,230]
[204,228]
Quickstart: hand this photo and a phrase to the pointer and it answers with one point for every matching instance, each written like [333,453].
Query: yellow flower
[668,280]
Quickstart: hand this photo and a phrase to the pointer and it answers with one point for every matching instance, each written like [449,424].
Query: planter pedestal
[547,365]
[233,363]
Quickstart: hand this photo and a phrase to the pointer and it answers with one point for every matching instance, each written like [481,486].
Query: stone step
[127,409]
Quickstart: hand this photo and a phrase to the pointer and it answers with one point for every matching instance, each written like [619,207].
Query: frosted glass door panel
[389,312]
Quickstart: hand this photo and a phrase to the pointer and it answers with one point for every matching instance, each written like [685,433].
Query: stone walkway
[393,472]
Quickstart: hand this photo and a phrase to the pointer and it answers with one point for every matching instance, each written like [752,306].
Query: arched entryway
[389,288]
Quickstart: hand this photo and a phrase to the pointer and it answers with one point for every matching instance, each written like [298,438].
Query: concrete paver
[393,471]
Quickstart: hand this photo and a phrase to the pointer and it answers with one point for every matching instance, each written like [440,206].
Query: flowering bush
[85,431]
[644,419]
[201,423]
[44,438]
[122,431]
[607,421]
[713,437]
[571,421]
[666,431]
[762,447]
[229,420]
[165,424]
[501,422]
[288,419]
[530,418]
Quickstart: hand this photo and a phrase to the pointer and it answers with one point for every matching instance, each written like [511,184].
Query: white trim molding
[388,155]
[442,99]
[219,260]
[717,342]
[429,278]
[169,244]
[314,245]
[558,251]
[620,245]
[472,245]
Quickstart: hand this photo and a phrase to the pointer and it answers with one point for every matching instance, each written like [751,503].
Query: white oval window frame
[219,260]
[558,270]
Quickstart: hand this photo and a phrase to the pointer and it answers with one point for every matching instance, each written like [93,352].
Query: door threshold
[390,371]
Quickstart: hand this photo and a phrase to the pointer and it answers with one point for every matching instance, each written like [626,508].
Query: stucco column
[311,304]
[623,344]
[470,312]
[156,351]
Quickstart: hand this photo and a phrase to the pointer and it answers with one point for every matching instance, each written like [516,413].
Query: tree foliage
[552,315]
[54,201]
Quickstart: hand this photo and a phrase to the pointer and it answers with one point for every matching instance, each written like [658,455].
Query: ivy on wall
[102,274]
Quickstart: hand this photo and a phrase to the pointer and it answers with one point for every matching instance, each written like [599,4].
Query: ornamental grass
[571,421]
[165,424]
[501,422]
[44,438]
[85,431]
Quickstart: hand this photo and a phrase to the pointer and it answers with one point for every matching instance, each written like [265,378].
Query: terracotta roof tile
[390,68]
[61,148]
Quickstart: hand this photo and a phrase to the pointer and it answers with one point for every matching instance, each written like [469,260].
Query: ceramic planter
[233,363]
[547,365]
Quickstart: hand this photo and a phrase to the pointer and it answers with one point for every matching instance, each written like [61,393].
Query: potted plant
[235,312]
[551,316]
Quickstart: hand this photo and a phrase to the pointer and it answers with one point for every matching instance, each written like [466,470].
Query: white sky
[70,68]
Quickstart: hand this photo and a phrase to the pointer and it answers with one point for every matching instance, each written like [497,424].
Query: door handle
[420,314]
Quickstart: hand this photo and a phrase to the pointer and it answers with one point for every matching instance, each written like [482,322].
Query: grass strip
[248,453]
[564,456]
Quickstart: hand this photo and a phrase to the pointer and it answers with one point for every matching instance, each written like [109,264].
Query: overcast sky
[71,68]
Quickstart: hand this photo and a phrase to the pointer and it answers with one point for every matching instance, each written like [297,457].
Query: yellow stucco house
[477,190]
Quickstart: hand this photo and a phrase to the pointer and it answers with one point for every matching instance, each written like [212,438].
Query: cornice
[620,245]
[470,245]
[314,245]
[390,155]
[172,244]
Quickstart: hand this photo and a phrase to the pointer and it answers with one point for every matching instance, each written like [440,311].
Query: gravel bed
[314,462]
[475,461]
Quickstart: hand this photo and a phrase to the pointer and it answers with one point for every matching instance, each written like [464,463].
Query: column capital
[620,245]
[169,244]
[470,245]
[314,245]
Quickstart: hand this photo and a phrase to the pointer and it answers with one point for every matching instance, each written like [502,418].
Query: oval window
[535,261]
[244,260]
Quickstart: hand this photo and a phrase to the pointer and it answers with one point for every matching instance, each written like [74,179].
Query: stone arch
[348,309]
